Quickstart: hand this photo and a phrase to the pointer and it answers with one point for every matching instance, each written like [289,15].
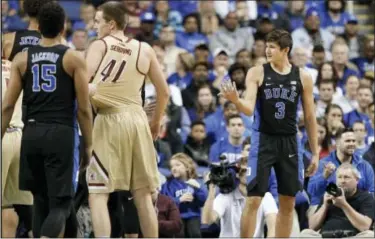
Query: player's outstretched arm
[77,66]
[253,79]
[310,120]
[13,90]
[162,91]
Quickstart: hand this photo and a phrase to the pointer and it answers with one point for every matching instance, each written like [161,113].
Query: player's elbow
[164,93]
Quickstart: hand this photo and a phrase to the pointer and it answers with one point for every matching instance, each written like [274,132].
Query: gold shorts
[10,154]
[124,156]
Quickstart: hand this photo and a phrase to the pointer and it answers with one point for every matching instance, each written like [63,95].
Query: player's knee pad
[54,223]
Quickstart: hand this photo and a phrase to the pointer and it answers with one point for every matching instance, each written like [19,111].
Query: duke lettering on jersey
[282,93]
[277,101]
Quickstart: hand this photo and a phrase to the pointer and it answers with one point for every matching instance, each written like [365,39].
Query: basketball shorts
[279,152]
[124,156]
[47,158]
[10,166]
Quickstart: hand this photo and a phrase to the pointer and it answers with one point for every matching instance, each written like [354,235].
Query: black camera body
[223,175]
[333,190]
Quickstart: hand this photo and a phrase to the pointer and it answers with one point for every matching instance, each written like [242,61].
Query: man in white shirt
[228,209]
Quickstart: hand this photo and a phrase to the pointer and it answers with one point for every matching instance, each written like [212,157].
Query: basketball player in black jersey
[12,43]
[51,77]
[273,92]
[18,41]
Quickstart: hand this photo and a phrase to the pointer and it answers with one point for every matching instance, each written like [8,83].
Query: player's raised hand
[229,91]
[313,167]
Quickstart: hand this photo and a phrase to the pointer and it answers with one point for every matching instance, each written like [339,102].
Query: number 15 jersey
[277,101]
[119,82]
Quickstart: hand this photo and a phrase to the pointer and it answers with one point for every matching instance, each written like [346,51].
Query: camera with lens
[333,190]
[223,175]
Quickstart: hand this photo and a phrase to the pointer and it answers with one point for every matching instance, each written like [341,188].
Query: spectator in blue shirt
[190,37]
[87,15]
[10,21]
[183,76]
[146,34]
[360,138]
[364,99]
[166,16]
[340,59]
[230,147]
[216,126]
[205,104]
[345,142]
[370,133]
[335,16]
[184,7]
[366,63]
[186,192]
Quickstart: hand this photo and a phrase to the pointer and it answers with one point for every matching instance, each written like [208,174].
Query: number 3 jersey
[118,80]
[48,91]
[277,101]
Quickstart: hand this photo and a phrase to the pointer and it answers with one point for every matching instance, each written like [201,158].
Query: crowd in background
[201,43]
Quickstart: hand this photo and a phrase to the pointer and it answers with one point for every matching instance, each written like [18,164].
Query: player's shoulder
[98,44]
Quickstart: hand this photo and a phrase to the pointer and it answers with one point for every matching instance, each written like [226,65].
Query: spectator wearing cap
[166,16]
[312,34]
[366,62]
[353,38]
[168,41]
[200,77]
[334,17]
[231,37]
[146,33]
[190,37]
[220,67]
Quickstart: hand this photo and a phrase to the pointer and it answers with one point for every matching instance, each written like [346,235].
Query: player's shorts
[279,152]
[10,166]
[47,155]
[124,156]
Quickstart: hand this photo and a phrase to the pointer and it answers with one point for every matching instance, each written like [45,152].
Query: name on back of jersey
[121,50]
[29,40]
[45,56]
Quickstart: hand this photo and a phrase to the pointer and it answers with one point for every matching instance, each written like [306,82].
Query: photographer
[345,211]
[228,208]
[345,144]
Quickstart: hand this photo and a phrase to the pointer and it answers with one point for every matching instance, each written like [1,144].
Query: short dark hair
[281,38]
[115,11]
[318,48]
[342,131]
[201,63]
[327,82]
[51,20]
[32,7]
[198,122]
[234,116]
[191,15]
[236,66]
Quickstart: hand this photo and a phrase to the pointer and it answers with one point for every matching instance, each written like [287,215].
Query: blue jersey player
[273,91]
